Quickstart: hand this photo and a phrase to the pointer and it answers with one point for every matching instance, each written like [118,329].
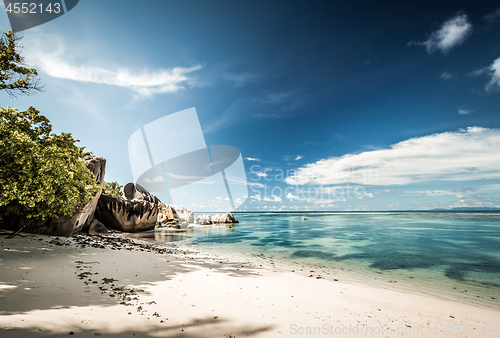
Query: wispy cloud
[292,157]
[283,103]
[308,199]
[261,174]
[58,62]
[451,33]
[228,117]
[252,159]
[78,100]
[255,185]
[493,16]
[445,76]
[425,193]
[276,97]
[272,198]
[259,198]
[463,111]
[256,197]
[467,154]
[145,83]
[494,72]
[490,187]
[240,79]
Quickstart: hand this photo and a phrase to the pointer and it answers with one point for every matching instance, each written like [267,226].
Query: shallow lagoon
[456,255]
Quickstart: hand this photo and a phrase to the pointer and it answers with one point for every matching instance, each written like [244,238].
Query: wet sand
[120,287]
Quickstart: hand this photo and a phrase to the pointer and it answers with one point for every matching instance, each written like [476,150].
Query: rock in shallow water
[185,215]
[204,219]
[167,217]
[227,218]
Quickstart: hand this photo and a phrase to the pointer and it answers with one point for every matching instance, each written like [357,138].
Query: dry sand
[114,287]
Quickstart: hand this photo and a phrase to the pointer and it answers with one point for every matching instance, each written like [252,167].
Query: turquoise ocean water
[453,255]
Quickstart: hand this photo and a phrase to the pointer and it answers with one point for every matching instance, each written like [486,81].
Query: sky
[334,105]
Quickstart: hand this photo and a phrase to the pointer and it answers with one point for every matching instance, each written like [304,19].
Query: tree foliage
[15,78]
[42,175]
[113,188]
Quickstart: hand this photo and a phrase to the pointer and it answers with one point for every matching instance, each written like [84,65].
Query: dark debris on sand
[117,242]
[127,296]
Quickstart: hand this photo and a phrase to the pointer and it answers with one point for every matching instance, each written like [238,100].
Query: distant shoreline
[365,212]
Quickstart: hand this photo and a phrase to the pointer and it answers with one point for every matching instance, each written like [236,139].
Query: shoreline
[117,286]
[432,284]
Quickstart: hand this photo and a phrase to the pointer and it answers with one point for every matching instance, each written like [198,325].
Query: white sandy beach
[53,286]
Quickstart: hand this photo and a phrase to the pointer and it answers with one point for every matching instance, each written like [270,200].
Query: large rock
[126,215]
[227,218]
[185,215]
[64,225]
[204,219]
[169,212]
[134,191]
[96,228]
[97,166]
[167,217]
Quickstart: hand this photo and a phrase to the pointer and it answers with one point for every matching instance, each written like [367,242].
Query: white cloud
[255,184]
[327,201]
[446,76]
[494,70]
[368,194]
[298,157]
[451,33]
[315,200]
[256,197]
[463,111]
[459,196]
[50,55]
[261,173]
[479,72]
[252,159]
[156,179]
[238,180]
[272,198]
[490,187]
[426,193]
[146,83]
[469,154]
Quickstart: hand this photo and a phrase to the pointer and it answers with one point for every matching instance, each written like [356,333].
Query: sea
[453,255]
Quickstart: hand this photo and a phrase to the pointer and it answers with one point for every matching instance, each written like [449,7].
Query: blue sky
[356,105]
